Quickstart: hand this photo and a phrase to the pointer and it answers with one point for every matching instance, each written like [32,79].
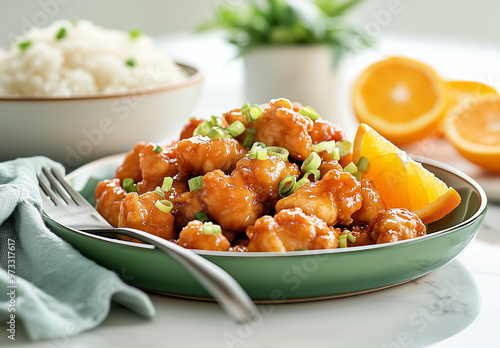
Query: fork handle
[223,287]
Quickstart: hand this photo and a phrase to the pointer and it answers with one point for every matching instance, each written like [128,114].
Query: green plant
[279,22]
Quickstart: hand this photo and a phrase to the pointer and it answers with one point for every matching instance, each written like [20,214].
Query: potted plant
[291,48]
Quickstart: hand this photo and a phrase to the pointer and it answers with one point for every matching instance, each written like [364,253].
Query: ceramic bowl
[291,276]
[77,130]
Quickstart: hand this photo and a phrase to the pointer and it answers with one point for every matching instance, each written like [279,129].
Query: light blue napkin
[45,284]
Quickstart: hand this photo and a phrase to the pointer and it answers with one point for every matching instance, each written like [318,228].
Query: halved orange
[474,130]
[462,94]
[401,98]
[402,182]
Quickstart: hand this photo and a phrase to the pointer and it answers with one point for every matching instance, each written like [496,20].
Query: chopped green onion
[279,151]
[351,237]
[309,112]
[201,216]
[314,172]
[164,205]
[344,146]
[61,33]
[209,229]
[313,161]
[336,154]
[134,33]
[202,129]
[363,164]
[351,168]
[215,121]
[129,185]
[195,183]
[286,185]
[254,113]
[300,183]
[249,137]
[167,183]
[130,62]
[260,154]
[236,128]
[24,45]
[343,240]
[323,146]
[159,191]
[245,108]
[158,149]
[217,132]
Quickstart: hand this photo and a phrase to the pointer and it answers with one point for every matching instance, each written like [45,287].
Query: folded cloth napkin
[45,284]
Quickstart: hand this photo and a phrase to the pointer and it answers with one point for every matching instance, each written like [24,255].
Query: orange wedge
[474,130]
[402,99]
[402,182]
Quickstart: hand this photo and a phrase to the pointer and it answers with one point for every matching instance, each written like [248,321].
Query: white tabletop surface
[457,305]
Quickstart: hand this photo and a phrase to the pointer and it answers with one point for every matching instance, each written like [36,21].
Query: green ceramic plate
[292,276]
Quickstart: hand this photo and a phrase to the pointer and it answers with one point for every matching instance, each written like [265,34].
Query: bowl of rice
[75,92]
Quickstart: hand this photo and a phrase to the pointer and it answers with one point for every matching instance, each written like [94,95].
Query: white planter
[303,73]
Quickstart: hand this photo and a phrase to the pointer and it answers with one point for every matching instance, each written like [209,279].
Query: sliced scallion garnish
[217,132]
[313,161]
[298,184]
[201,216]
[286,185]
[344,146]
[134,33]
[351,168]
[210,229]
[164,205]
[195,183]
[23,46]
[202,129]
[254,113]
[129,185]
[159,191]
[130,62]
[245,108]
[167,183]
[351,237]
[61,33]
[315,174]
[236,128]
[158,149]
[309,112]
[249,137]
[279,151]
[363,164]
[323,146]
[343,240]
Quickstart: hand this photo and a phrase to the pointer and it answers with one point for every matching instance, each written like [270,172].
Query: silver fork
[67,207]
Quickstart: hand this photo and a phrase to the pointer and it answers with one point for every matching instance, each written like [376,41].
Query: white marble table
[457,305]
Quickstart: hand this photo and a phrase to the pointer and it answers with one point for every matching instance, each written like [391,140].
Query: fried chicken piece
[109,194]
[328,163]
[200,155]
[280,125]
[192,237]
[139,212]
[362,235]
[130,168]
[186,205]
[290,230]
[229,201]
[264,176]
[333,199]
[372,203]
[155,166]
[323,130]
[396,224]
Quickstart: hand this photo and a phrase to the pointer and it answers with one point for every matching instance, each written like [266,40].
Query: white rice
[87,60]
